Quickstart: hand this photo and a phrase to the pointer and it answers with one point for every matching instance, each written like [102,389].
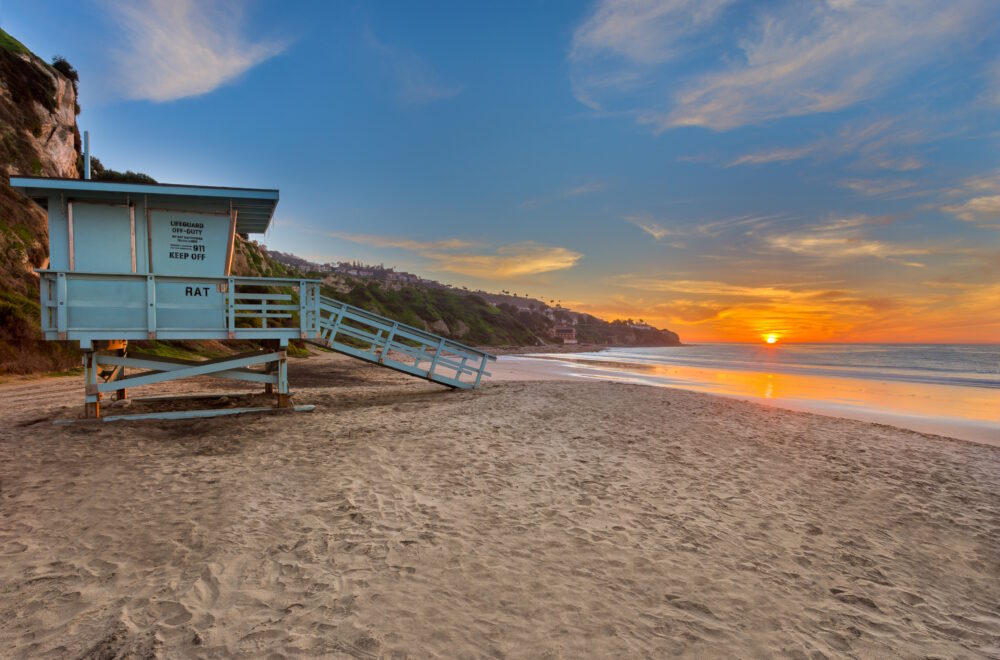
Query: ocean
[951,390]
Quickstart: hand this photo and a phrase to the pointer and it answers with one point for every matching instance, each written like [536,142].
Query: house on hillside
[565,332]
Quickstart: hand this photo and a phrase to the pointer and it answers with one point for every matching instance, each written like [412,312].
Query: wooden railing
[89,307]
[375,338]
[97,306]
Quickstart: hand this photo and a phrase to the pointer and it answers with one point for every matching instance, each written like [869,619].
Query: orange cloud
[509,261]
[984,211]
[452,255]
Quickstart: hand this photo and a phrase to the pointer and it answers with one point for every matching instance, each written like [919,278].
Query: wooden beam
[232,241]
[176,372]
[189,414]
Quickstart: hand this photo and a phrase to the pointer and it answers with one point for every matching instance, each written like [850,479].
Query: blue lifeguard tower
[132,262]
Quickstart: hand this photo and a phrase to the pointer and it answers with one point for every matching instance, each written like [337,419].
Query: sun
[771,339]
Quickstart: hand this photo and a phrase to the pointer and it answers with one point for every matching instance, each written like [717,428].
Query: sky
[818,170]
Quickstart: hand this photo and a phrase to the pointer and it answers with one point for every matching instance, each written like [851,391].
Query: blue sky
[819,170]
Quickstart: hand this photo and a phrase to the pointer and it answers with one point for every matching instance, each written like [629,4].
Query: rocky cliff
[38,136]
[38,107]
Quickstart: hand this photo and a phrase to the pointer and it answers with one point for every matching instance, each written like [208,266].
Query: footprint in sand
[170,613]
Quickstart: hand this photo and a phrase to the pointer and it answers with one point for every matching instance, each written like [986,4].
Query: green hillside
[467,318]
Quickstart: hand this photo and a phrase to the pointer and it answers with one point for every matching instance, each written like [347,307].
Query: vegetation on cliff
[29,102]
[467,318]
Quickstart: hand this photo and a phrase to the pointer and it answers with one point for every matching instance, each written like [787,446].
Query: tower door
[101,237]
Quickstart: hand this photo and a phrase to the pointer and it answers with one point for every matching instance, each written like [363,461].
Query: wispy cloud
[900,164]
[416,81]
[585,189]
[843,238]
[615,47]
[841,247]
[645,222]
[882,144]
[880,187]
[982,201]
[984,183]
[841,223]
[644,31]
[182,48]
[984,211]
[747,225]
[807,62]
[710,288]
[750,223]
[791,61]
[588,188]
[774,155]
[455,255]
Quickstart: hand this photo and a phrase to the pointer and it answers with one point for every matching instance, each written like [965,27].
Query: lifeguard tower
[131,262]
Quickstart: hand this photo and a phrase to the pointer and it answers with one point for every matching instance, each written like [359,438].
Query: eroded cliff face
[56,144]
[38,136]
[38,132]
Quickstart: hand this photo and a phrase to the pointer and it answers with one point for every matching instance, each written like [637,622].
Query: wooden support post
[232,241]
[304,291]
[284,400]
[271,367]
[121,394]
[231,307]
[92,401]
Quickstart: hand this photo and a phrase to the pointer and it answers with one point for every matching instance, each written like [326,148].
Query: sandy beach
[553,519]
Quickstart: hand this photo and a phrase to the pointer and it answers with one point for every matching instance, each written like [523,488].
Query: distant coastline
[568,348]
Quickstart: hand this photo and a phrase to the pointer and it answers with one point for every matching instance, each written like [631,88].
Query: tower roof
[254,206]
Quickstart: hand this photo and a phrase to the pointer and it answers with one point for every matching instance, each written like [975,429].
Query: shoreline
[564,348]
[879,401]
